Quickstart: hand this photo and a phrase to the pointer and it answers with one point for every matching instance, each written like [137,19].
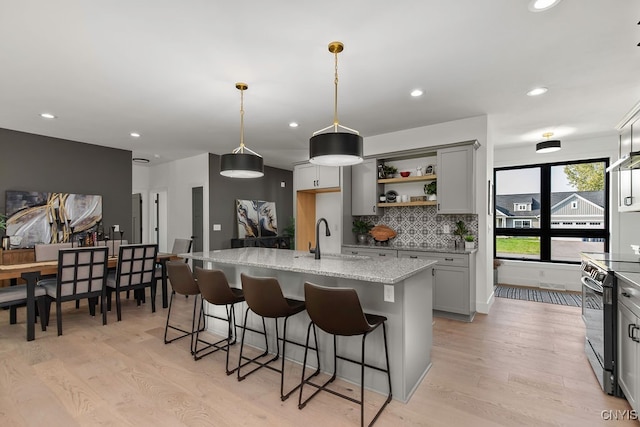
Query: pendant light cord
[335,98]
[241,120]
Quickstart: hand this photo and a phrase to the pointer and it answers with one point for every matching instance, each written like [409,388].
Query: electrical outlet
[283,184]
[388,293]
[217,227]
[445,229]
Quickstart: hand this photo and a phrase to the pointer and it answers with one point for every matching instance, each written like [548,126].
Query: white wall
[326,204]
[176,179]
[623,226]
[475,128]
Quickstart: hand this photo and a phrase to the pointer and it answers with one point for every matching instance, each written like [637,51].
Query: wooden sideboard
[16,256]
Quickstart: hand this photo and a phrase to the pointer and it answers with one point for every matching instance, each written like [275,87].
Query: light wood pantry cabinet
[454,288]
[314,177]
[455,169]
[629,342]
[365,188]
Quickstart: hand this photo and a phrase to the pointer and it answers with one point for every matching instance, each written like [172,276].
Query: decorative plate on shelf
[392,196]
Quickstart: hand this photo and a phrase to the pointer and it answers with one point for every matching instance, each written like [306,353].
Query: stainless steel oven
[599,315]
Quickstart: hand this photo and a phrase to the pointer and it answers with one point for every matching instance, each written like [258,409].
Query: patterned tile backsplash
[422,226]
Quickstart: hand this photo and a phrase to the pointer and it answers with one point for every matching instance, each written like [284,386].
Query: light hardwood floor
[521,365]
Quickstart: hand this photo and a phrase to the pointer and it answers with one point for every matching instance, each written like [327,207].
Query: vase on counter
[363,239]
[469,246]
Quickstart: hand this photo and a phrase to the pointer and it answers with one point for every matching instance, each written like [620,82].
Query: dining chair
[13,296]
[82,273]
[135,272]
[180,246]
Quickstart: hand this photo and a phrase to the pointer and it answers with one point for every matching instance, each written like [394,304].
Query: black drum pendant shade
[242,162]
[548,146]
[333,148]
[241,165]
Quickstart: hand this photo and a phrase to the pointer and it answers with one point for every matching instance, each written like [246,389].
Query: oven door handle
[591,284]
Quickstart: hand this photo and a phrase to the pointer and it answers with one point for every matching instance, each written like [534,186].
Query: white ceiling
[167,69]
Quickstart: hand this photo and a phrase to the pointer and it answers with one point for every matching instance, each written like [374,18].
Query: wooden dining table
[32,272]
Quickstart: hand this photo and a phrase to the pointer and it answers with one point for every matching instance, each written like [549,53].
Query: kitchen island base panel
[409,327]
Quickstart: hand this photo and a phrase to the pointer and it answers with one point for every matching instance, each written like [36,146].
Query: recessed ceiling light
[537,91]
[293,125]
[135,134]
[416,92]
[47,116]
[542,5]
[157,156]
[140,160]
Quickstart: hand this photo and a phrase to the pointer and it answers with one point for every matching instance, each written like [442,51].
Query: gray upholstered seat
[49,251]
[11,296]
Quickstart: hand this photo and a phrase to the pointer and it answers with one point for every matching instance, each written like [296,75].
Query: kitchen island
[400,289]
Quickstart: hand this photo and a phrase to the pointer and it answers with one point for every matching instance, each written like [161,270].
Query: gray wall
[31,162]
[224,192]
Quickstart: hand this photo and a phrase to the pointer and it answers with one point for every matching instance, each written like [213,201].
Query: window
[522,223]
[551,212]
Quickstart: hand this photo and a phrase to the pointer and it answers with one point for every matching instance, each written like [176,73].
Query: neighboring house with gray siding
[577,209]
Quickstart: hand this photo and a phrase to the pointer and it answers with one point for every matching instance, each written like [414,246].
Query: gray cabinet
[455,168]
[314,177]
[629,179]
[365,188]
[454,290]
[370,251]
[629,342]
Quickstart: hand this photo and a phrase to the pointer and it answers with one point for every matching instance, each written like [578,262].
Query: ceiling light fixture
[47,116]
[293,125]
[416,92]
[140,160]
[242,162]
[548,146]
[135,134]
[542,5]
[335,148]
[537,91]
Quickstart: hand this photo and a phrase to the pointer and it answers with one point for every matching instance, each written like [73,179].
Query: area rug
[539,295]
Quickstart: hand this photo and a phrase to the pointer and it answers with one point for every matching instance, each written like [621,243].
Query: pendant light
[335,148]
[242,162]
[548,146]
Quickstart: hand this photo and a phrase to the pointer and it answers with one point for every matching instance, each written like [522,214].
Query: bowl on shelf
[405,174]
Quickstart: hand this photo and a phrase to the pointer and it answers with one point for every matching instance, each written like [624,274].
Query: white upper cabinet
[629,179]
[365,188]
[455,169]
[314,177]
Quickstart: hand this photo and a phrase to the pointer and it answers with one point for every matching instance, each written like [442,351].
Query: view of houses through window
[551,212]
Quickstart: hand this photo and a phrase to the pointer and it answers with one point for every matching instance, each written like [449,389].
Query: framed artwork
[247,218]
[256,218]
[430,170]
[40,217]
[268,219]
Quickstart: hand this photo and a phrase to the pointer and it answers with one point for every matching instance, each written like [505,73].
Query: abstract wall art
[256,218]
[39,217]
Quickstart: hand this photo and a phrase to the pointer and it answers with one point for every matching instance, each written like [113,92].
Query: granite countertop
[388,271]
[416,249]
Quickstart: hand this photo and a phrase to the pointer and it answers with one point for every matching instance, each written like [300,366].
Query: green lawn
[518,245]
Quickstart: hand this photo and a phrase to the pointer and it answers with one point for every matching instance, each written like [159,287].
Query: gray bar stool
[264,297]
[183,283]
[337,311]
[215,289]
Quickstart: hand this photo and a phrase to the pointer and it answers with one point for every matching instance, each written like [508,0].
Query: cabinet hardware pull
[628,201]
[374,208]
[624,294]
[354,252]
[632,335]
[433,271]
[382,254]
[448,259]
[413,256]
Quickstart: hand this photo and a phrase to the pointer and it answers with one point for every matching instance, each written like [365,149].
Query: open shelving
[431,177]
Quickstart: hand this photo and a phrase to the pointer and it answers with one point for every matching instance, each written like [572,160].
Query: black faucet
[316,250]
